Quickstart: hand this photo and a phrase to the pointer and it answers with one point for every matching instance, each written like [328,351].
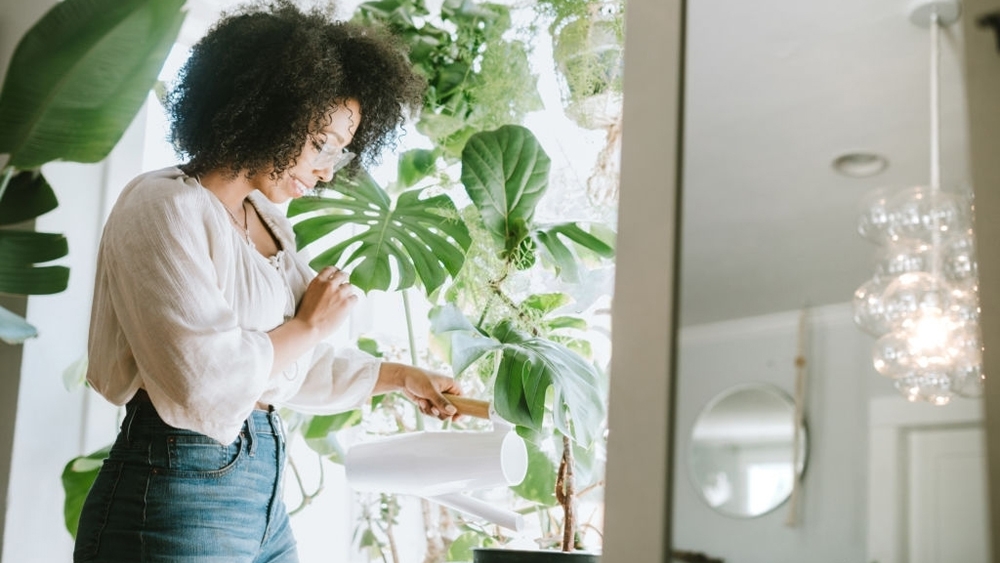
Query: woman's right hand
[327,301]
[323,307]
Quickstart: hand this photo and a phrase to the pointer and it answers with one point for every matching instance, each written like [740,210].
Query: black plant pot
[534,556]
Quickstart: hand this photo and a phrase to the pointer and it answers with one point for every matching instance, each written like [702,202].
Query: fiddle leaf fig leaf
[79,76]
[505,172]
[528,367]
[423,237]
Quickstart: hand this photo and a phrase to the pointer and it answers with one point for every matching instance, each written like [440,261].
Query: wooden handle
[470,407]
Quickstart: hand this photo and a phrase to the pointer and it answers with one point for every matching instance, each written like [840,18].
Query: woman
[204,316]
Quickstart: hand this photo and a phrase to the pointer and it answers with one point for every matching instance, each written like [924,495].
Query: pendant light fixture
[922,304]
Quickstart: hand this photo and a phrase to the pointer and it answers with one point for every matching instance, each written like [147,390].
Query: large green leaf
[19,279]
[30,247]
[505,172]
[415,165]
[562,255]
[539,484]
[28,195]
[79,76]
[466,343]
[320,433]
[423,236]
[529,366]
[77,478]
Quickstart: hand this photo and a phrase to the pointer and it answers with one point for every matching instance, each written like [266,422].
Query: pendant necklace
[245,227]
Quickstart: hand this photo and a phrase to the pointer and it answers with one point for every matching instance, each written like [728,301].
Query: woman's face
[321,156]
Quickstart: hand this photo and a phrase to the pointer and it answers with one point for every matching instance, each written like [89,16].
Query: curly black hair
[264,78]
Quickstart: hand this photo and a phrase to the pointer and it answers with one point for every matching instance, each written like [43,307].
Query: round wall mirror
[742,457]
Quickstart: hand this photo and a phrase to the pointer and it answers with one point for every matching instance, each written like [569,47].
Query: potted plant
[75,82]
[474,263]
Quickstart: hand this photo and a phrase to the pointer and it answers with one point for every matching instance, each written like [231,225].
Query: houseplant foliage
[478,74]
[75,82]
[539,375]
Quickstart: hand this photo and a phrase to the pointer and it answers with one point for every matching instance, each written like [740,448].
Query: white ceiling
[775,90]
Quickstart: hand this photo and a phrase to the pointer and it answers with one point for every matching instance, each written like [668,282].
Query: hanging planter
[588,51]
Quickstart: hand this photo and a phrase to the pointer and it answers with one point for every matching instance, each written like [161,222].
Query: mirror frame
[803,435]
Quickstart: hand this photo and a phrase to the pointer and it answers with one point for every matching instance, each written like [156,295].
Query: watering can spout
[481,509]
[441,465]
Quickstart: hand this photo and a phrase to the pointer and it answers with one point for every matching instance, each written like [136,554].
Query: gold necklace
[246,222]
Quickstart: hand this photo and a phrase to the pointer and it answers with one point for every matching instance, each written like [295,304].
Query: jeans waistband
[259,422]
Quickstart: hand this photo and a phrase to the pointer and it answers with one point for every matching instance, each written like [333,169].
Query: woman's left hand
[422,387]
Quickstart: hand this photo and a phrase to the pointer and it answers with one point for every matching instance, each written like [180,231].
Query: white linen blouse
[182,307]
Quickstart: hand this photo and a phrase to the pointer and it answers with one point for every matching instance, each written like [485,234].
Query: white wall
[833,505]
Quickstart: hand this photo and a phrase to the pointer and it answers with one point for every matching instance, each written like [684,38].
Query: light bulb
[914,295]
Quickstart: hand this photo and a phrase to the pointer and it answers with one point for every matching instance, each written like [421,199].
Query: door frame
[890,420]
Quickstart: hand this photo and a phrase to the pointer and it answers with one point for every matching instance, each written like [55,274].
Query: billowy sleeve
[339,379]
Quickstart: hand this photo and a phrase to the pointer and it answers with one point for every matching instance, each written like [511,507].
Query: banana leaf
[79,76]
[422,236]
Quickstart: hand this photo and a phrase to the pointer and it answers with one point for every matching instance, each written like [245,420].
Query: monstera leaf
[79,76]
[423,236]
[505,172]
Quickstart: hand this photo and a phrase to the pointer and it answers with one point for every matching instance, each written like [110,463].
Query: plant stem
[411,337]
[8,173]
[565,494]
[435,544]
[307,498]
[389,533]
[499,293]
[408,314]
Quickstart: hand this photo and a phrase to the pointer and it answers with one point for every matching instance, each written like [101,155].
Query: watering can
[443,466]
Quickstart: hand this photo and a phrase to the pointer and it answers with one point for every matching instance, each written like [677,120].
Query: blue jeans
[166,494]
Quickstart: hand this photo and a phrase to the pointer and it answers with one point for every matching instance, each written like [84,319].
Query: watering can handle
[470,407]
